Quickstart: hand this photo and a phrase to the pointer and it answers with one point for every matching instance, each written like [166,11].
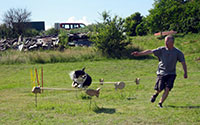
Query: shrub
[4,31]
[31,33]
[63,37]
[51,31]
[109,38]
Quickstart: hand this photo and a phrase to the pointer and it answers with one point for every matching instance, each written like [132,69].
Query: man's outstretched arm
[145,52]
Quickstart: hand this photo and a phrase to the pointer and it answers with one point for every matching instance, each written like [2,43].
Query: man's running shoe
[153,98]
[160,105]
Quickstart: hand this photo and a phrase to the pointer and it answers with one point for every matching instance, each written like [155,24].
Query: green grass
[17,103]
[69,55]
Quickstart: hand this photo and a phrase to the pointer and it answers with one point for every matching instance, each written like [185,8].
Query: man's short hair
[170,37]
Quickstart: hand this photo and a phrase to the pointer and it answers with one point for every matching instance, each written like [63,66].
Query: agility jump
[36,88]
[37,76]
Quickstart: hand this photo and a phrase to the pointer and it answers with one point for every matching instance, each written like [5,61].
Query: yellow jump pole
[33,75]
[32,83]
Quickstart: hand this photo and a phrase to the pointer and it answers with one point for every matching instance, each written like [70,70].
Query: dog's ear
[83,69]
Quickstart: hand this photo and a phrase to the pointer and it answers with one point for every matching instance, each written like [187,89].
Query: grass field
[128,106]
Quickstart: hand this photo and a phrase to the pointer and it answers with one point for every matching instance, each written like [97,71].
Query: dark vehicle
[69,26]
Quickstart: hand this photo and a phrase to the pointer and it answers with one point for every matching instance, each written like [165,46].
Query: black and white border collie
[80,79]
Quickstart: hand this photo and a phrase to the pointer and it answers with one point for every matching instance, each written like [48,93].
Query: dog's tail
[71,74]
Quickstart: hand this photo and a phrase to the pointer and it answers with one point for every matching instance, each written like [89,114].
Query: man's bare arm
[146,52]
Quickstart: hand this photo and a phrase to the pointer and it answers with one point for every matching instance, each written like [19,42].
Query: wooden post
[37,77]
[90,103]
[35,99]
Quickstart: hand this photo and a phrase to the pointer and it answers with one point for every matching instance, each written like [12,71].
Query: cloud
[82,20]
[48,26]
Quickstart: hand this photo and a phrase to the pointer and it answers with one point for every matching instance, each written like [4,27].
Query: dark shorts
[164,81]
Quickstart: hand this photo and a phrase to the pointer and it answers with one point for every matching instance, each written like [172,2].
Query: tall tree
[142,28]
[158,17]
[179,15]
[16,19]
[131,23]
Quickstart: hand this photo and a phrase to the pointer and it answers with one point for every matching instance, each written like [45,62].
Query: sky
[83,11]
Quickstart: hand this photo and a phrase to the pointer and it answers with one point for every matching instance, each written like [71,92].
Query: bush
[4,31]
[63,37]
[51,31]
[31,33]
[109,38]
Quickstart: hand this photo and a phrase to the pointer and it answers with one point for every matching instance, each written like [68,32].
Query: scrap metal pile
[42,42]
[32,43]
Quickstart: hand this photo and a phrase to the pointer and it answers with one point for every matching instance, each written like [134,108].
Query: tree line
[182,16]
[112,35]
